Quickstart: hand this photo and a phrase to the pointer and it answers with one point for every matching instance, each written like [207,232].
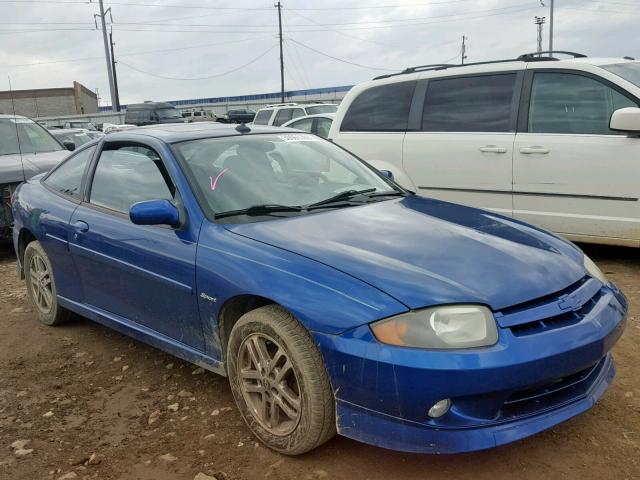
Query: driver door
[143,276]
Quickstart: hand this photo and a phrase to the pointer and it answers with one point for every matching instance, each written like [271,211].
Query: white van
[548,141]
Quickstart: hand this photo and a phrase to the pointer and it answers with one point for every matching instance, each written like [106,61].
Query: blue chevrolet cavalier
[333,299]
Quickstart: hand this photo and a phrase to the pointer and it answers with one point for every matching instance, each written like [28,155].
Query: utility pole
[279,5]
[539,21]
[464,49]
[107,56]
[551,28]
[115,74]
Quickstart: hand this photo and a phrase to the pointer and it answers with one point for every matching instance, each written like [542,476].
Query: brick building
[50,101]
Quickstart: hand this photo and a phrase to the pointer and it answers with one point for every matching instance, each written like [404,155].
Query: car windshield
[33,138]
[630,71]
[284,170]
[165,113]
[322,109]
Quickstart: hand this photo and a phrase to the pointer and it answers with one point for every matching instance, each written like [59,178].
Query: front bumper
[527,382]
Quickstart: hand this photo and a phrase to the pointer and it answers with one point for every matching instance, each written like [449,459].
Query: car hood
[11,167]
[425,252]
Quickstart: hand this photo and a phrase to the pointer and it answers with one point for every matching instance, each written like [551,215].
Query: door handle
[536,149]
[81,227]
[493,149]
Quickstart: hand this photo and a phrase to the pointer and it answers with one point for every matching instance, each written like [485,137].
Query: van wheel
[41,286]
[279,381]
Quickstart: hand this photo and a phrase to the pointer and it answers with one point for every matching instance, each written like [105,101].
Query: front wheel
[41,286]
[279,381]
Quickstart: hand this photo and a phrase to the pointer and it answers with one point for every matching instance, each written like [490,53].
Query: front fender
[322,298]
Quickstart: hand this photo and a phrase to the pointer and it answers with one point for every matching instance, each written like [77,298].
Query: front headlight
[454,326]
[594,271]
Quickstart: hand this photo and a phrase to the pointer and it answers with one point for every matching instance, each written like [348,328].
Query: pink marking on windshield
[214,182]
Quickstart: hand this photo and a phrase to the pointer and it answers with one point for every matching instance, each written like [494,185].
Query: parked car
[26,149]
[319,124]
[280,114]
[151,113]
[332,298]
[199,115]
[80,124]
[75,136]
[238,116]
[548,141]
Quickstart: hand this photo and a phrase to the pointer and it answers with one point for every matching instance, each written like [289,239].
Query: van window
[571,103]
[469,104]
[262,117]
[380,109]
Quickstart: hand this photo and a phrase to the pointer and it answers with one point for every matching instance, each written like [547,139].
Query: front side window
[262,117]
[33,138]
[290,169]
[384,108]
[168,113]
[128,175]
[571,103]
[469,104]
[67,178]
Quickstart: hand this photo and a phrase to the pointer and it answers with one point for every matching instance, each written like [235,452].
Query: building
[76,100]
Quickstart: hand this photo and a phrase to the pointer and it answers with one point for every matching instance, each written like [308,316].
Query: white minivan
[554,142]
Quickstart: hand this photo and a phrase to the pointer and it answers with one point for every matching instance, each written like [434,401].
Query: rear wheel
[41,286]
[279,381]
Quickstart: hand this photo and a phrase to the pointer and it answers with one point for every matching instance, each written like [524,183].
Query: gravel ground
[95,404]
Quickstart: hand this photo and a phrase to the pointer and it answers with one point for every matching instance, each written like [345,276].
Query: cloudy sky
[179,49]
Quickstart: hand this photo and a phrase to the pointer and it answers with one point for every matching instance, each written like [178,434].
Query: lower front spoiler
[397,434]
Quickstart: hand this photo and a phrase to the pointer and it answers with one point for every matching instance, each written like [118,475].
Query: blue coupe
[333,299]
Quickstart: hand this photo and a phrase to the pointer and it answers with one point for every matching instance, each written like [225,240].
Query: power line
[341,59]
[131,54]
[200,78]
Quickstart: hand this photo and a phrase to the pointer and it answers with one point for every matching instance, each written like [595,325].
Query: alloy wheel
[269,384]
[40,283]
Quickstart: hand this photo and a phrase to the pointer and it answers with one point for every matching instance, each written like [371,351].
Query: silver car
[26,149]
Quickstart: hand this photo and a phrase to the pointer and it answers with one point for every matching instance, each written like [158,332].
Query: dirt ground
[83,396]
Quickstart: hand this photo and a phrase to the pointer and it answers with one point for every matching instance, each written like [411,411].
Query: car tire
[41,286]
[285,399]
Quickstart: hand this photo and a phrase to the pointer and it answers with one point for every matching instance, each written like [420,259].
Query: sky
[180,49]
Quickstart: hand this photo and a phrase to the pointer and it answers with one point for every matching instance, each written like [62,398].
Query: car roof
[149,106]
[7,115]
[68,130]
[180,132]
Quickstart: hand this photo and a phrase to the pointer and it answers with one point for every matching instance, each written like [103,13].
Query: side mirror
[155,212]
[626,120]
[387,173]
[69,145]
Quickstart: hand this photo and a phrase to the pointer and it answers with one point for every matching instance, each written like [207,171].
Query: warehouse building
[45,102]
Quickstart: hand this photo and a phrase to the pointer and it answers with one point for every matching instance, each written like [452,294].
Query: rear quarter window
[383,108]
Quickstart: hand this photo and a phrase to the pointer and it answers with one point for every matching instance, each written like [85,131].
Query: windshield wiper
[257,210]
[392,193]
[346,195]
